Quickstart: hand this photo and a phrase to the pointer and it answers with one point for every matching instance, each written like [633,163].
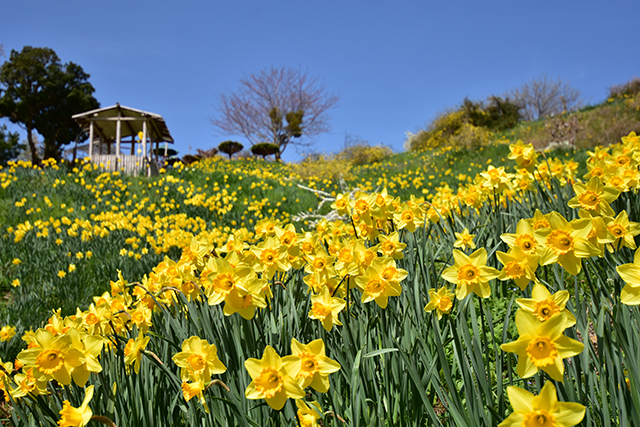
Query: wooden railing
[131,165]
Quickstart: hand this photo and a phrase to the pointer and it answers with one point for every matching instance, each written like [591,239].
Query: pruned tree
[265,149]
[280,105]
[230,148]
[542,97]
[39,93]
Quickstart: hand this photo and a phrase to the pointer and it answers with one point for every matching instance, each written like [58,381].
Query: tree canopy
[10,145]
[281,106]
[39,93]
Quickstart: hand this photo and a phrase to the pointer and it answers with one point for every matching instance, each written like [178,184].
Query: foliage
[359,152]
[230,148]
[626,90]
[10,145]
[321,167]
[40,93]
[265,149]
[257,110]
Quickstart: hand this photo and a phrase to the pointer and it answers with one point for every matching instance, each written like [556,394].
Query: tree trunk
[34,153]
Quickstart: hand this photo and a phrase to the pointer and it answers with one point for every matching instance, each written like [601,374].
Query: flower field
[210,295]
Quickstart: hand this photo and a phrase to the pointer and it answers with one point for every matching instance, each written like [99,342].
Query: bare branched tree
[282,106]
[543,97]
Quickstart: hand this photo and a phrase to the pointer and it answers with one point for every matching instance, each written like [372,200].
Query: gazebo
[112,128]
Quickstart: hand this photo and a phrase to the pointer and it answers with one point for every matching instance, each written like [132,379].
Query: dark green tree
[39,93]
[10,145]
[230,148]
[265,149]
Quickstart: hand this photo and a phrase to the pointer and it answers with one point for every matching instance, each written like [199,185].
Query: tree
[543,97]
[38,93]
[265,149]
[278,105]
[230,148]
[10,145]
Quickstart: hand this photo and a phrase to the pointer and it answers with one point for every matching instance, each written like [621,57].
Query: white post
[166,147]
[91,140]
[118,123]
[144,139]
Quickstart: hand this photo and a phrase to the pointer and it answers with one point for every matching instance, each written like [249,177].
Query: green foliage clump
[230,147]
[363,153]
[320,167]
[625,90]
[265,149]
[470,125]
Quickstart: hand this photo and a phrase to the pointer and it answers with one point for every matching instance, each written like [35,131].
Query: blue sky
[393,64]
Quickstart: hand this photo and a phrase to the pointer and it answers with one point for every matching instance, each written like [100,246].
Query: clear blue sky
[394,64]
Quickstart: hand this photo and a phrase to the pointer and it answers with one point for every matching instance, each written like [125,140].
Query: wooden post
[144,139]
[91,140]
[118,130]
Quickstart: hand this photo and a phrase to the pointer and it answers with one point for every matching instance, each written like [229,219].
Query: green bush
[230,147]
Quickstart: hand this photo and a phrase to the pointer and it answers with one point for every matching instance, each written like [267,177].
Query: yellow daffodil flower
[623,230]
[464,240]
[542,410]
[309,365]
[7,332]
[380,281]
[441,301]
[518,266]
[133,351]
[325,308]
[630,273]
[541,346]
[545,306]
[270,380]
[198,359]
[566,243]
[77,417]
[309,415]
[54,356]
[594,197]
[470,274]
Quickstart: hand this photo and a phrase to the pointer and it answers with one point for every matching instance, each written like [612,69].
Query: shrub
[265,149]
[360,152]
[470,136]
[625,90]
[320,166]
[230,147]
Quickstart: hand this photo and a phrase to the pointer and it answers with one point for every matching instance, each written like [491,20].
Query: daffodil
[630,273]
[594,197]
[380,281]
[464,240]
[542,410]
[566,243]
[391,246]
[623,230]
[470,274]
[76,417]
[309,365]
[541,346]
[545,306]
[7,332]
[133,351]
[518,266]
[309,415]
[524,238]
[270,380]
[53,356]
[198,359]
[325,308]
[441,301]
